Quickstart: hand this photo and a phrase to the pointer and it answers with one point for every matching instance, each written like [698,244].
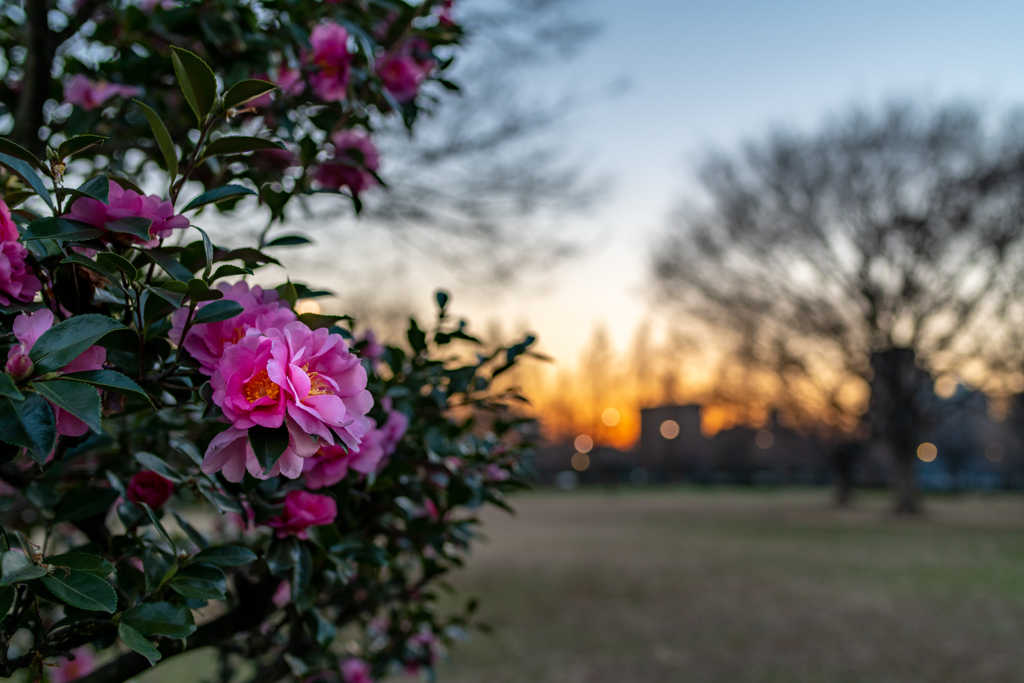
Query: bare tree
[886,229]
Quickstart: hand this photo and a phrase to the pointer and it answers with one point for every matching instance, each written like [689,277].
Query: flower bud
[19,366]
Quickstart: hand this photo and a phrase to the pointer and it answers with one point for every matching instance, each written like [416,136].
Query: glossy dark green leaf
[109,380]
[85,562]
[77,144]
[24,170]
[158,525]
[136,226]
[66,341]
[229,270]
[8,389]
[238,144]
[218,194]
[30,424]
[152,462]
[15,150]
[60,229]
[82,590]
[202,581]
[417,338]
[244,91]
[222,502]
[161,619]
[85,503]
[316,321]
[192,533]
[196,80]
[7,596]
[171,297]
[97,187]
[131,637]
[289,241]
[288,293]
[170,264]
[268,444]
[225,556]
[95,267]
[159,567]
[81,400]
[302,577]
[207,252]
[15,567]
[215,311]
[163,139]
[118,263]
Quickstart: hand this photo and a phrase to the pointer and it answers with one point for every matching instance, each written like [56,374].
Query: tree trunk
[844,488]
[904,486]
[42,48]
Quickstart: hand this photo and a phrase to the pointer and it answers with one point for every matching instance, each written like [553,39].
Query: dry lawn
[730,586]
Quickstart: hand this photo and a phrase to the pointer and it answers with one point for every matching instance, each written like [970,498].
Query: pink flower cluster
[404,71]
[27,329]
[355,671]
[332,59]
[332,463]
[150,488]
[283,375]
[302,510]
[17,281]
[354,162]
[122,203]
[262,309]
[89,94]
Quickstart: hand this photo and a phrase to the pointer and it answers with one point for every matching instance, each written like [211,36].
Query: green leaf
[8,389]
[132,225]
[192,533]
[18,152]
[225,556]
[24,171]
[207,252]
[288,293]
[136,641]
[222,502]
[60,229]
[268,444]
[7,596]
[118,263]
[163,139]
[417,339]
[77,144]
[66,341]
[196,80]
[170,264]
[217,194]
[85,503]
[238,144]
[79,399]
[161,619]
[109,380]
[170,296]
[152,462]
[30,424]
[82,590]
[97,187]
[216,311]
[243,91]
[228,271]
[92,564]
[302,577]
[85,262]
[17,567]
[289,241]
[159,527]
[199,291]
[200,581]
[315,321]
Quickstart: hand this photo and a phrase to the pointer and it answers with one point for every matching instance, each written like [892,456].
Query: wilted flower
[124,203]
[331,56]
[261,309]
[17,281]
[150,488]
[302,510]
[90,95]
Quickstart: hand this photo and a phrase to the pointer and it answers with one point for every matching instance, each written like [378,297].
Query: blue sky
[709,74]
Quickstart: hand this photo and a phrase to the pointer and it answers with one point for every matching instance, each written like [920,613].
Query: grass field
[685,585]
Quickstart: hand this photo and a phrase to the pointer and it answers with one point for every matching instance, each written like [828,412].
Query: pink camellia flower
[494,472]
[124,203]
[302,510]
[332,463]
[288,81]
[403,72]
[67,670]
[331,56]
[90,95]
[27,329]
[283,595]
[150,488]
[262,309]
[17,281]
[355,156]
[355,671]
[306,380]
[373,350]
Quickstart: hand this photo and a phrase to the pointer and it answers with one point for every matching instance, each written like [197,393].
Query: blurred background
[775,252]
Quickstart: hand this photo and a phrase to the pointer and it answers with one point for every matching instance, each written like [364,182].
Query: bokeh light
[307,306]
[927,452]
[945,386]
[994,452]
[764,439]
[584,443]
[669,429]
[580,462]
[610,417]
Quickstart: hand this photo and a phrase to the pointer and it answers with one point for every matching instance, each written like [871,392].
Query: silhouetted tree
[886,229]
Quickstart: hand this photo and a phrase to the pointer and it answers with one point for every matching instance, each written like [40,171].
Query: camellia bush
[186,461]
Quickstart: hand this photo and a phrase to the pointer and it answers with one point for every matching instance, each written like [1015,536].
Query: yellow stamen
[260,386]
